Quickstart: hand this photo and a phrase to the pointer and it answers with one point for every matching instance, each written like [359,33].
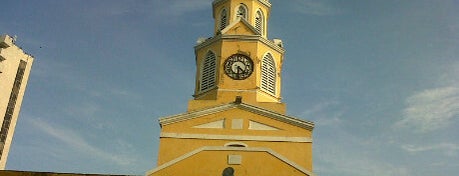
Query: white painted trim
[191,115]
[250,108]
[234,159]
[238,90]
[280,117]
[254,125]
[241,38]
[300,139]
[219,124]
[219,148]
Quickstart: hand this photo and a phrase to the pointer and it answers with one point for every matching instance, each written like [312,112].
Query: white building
[15,67]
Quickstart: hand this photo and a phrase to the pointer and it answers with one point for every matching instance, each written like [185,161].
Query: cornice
[280,117]
[250,108]
[240,38]
[191,115]
[298,139]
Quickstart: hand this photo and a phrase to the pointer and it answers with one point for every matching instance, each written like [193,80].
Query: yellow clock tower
[236,123]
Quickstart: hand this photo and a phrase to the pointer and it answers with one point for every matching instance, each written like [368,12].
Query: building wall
[213,161]
[290,141]
[15,68]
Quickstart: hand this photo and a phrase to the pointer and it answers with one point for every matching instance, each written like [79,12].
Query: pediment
[240,27]
[253,123]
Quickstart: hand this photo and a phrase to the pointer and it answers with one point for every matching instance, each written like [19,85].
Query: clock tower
[239,60]
[236,123]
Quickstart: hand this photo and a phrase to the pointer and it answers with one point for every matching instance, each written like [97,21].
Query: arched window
[208,72]
[236,144]
[268,74]
[259,21]
[242,11]
[223,19]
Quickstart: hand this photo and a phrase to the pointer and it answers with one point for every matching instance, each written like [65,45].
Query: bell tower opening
[241,11]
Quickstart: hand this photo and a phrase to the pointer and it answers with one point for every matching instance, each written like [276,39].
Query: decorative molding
[249,108]
[237,124]
[237,90]
[260,126]
[236,137]
[191,115]
[283,118]
[234,159]
[220,124]
[241,38]
[244,149]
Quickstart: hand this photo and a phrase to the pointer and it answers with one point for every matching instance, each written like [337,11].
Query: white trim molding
[265,41]
[247,107]
[301,139]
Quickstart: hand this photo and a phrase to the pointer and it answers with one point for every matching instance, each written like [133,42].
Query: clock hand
[239,68]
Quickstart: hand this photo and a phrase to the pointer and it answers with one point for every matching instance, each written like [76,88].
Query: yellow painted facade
[236,125]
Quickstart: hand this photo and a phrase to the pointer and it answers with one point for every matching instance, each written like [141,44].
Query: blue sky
[379,78]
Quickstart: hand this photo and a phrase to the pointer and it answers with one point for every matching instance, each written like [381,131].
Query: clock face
[238,66]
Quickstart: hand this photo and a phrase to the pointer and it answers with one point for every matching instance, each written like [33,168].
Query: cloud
[324,113]
[360,166]
[319,107]
[78,143]
[314,7]
[84,110]
[347,154]
[449,149]
[431,109]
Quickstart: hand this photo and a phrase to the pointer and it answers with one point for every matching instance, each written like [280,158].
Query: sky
[379,78]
